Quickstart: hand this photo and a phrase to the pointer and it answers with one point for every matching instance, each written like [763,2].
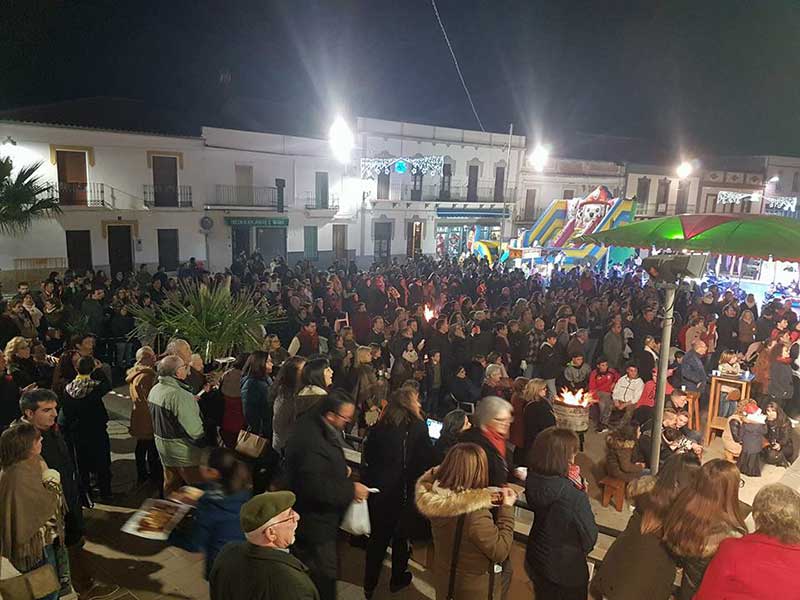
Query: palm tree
[23,198]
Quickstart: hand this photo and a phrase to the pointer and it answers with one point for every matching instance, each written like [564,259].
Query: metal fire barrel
[570,416]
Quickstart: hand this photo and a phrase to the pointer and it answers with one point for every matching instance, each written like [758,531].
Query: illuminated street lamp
[341,140]
[538,158]
[773,179]
[685,169]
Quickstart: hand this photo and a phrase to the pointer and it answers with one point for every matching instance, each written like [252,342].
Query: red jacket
[602,382]
[754,567]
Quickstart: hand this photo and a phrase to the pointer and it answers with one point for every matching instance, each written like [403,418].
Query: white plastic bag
[356,519]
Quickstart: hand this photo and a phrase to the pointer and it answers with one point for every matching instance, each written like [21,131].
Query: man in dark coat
[551,361]
[261,568]
[318,475]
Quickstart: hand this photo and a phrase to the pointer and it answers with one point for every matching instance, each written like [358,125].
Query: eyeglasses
[341,416]
[292,516]
[504,420]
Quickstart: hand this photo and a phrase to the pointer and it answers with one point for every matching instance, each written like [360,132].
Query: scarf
[496,440]
[25,508]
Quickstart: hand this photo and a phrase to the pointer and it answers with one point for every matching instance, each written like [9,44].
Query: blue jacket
[693,371]
[257,405]
[216,522]
[563,532]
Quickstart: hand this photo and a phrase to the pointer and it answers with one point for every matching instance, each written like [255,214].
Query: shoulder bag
[37,583]
[454,559]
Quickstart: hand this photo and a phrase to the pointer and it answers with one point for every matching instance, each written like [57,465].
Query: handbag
[31,585]
[250,444]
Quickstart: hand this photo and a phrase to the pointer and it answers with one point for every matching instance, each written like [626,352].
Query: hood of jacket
[137,370]
[435,501]
[543,490]
[617,444]
[312,390]
[81,386]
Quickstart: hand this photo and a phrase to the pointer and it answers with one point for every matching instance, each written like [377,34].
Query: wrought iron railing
[167,195]
[244,195]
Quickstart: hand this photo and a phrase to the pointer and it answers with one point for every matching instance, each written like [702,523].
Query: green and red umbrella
[759,236]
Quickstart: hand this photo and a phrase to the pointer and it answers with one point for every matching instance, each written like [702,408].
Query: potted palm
[23,198]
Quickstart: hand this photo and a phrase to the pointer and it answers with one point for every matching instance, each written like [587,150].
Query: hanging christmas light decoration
[420,165]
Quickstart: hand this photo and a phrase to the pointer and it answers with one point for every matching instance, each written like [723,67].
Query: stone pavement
[150,570]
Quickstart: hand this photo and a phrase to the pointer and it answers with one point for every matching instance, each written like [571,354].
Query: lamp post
[538,157]
[661,377]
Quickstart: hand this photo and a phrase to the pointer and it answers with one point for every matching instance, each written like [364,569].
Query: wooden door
[340,241]
[240,240]
[120,249]
[321,199]
[244,185]
[472,183]
[71,177]
[165,180]
[168,249]
[499,183]
[383,242]
[79,250]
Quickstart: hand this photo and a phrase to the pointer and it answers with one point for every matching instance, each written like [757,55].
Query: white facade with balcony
[407,214]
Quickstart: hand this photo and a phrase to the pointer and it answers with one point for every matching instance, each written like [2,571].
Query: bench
[613,489]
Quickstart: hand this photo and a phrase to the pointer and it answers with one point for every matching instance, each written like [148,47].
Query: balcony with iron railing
[245,196]
[93,194]
[319,204]
[167,196]
[460,193]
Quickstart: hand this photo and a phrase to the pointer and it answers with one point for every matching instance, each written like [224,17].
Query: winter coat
[614,350]
[620,459]
[140,381]
[83,414]
[498,467]
[9,401]
[693,371]
[243,570]
[551,361]
[289,410]
[654,573]
[256,405]
[753,567]
[402,371]
[177,425]
[485,541]
[215,523]
[464,390]
[780,381]
[694,567]
[538,416]
[730,444]
[563,532]
[23,370]
[317,474]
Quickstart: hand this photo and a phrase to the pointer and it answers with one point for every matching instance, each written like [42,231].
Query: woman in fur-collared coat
[455,496]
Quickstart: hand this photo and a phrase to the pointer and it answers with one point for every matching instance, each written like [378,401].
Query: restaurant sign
[257,221]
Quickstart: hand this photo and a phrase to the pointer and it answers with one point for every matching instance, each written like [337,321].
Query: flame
[579,398]
[429,314]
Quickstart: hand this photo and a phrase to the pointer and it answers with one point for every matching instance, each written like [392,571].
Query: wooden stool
[613,489]
[693,406]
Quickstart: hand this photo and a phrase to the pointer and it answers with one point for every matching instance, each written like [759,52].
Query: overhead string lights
[783,203]
[420,165]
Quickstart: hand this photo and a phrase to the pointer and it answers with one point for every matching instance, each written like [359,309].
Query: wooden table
[714,423]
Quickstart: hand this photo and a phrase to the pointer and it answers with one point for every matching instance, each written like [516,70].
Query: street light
[538,158]
[773,179]
[685,169]
[341,140]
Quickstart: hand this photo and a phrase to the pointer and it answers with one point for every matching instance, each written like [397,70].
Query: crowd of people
[363,359]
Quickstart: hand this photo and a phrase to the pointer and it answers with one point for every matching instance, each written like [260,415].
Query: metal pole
[661,381]
[505,182]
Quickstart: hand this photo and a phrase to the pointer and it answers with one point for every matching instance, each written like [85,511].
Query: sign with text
[257,221]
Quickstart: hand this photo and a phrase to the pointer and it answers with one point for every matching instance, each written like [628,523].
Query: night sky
[707,75]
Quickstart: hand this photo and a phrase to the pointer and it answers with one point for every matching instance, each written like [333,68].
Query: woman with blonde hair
[537,414]
[367,390]
[470,542]
[763,564]
[703,515]
[21,366]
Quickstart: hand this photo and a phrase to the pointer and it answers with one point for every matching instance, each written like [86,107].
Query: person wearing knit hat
[261,567]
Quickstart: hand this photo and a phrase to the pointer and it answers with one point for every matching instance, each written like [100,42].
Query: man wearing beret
[261,568]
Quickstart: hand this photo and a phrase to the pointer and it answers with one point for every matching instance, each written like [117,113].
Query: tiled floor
[148,570]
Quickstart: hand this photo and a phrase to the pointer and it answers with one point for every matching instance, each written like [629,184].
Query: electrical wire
[455,62]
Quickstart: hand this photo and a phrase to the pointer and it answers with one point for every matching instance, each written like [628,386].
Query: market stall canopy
[759,236]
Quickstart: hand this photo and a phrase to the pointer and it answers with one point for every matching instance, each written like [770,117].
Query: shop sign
[257,221]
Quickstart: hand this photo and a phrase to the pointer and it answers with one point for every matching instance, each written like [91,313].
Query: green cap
[260,509]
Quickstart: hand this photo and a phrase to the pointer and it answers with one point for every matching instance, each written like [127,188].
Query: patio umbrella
[759,236]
